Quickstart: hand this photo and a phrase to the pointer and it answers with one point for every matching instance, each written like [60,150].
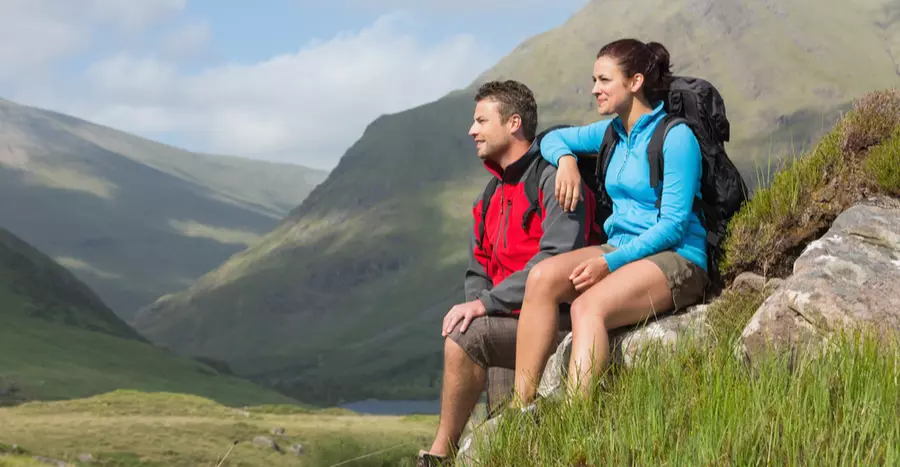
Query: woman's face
[612,89]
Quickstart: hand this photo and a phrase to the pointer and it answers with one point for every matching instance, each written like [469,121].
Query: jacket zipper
[499,230]
[619,175]
[627,152]
[506,222]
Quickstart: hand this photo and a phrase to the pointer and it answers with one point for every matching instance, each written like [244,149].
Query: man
[511,234]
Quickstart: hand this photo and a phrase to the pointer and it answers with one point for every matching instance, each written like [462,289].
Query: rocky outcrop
[848,279]
[629,344]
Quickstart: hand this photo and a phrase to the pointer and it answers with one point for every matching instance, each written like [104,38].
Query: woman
[655,258]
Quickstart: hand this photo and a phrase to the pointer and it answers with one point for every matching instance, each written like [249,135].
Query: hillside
[59,341]
[133,218]
[353,284]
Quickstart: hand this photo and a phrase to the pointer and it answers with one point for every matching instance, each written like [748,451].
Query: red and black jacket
[523,224]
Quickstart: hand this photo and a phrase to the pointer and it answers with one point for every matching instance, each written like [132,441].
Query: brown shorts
[687,281]
[490,341]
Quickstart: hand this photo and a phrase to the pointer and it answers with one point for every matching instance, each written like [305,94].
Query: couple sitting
[532,252]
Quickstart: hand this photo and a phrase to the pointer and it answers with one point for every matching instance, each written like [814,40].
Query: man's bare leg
[463,383]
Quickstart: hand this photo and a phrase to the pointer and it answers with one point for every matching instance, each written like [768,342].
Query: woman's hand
[568,183]
[588,273]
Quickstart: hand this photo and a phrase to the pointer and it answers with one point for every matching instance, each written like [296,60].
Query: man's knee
[467,347]
[488,341]
[453,351]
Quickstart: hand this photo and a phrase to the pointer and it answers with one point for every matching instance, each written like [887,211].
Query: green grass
[883,165]
[135,429]
[811,190]
[704,407]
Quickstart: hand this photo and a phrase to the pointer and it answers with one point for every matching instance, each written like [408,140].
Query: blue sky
[287,80]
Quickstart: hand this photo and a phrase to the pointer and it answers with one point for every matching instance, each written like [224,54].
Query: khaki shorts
[686,280]
[490,341]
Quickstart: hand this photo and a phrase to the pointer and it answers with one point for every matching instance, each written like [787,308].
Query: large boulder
[847,279]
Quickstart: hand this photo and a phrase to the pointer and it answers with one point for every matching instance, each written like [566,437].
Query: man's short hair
[513,98]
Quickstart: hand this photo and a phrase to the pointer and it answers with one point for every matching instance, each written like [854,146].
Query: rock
[296,449]
[553,379]
[629,343]
[773,285]
[278,431]
[86,458]
[848,279]
[47,460]
[264,442]
[749,281]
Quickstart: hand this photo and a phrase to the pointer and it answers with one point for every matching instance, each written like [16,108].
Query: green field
[136,429]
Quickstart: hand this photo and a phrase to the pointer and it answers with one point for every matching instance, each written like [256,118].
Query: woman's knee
[585,310]
[547,278]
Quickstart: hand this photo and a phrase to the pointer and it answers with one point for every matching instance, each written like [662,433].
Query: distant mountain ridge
[58,340]
[133,218]
[352,285]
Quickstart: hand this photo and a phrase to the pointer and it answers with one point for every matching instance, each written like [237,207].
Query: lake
[379,407]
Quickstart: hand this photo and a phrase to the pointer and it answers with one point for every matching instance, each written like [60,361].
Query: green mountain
[133,218]
[59,341]
[345,297]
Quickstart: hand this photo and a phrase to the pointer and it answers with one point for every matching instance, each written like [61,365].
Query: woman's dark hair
[650,59]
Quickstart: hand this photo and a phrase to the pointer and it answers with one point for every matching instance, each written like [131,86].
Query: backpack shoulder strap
[533,187]
[610,138]
[485,202]
[655,147]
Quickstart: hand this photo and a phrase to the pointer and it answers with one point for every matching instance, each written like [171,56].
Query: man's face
[492,137]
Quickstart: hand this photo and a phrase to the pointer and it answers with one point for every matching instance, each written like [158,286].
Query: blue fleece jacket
[636,227]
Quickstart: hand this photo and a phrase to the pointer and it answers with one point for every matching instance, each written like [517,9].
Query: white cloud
[35,33]
[306,106]
[186,40]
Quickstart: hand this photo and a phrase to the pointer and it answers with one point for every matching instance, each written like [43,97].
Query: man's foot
[426,459]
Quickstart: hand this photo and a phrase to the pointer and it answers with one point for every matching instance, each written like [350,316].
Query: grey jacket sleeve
[563,232]
[477,280]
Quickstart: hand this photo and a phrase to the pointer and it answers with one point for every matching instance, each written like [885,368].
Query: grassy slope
[858,157]
[702,407]
[133,218]
[59,341]
[131,429]
[356,279]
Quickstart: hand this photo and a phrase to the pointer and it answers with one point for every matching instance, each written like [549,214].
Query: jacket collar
[515,170]
[646,121]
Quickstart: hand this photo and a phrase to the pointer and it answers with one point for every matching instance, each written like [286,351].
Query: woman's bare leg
[630,295]
[548,285]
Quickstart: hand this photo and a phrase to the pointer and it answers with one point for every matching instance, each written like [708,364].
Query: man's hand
[568,183]
[589,273]
[464,312]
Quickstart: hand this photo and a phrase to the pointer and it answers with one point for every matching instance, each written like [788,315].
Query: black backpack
[697,103]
